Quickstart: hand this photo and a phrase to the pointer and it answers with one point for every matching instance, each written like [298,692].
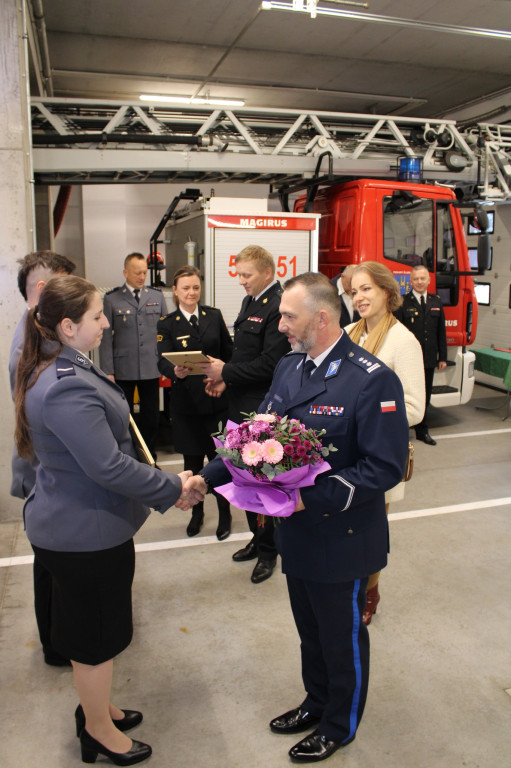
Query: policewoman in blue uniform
[258,346]
[195,415]
[338,534]
[91,496]
[128,351]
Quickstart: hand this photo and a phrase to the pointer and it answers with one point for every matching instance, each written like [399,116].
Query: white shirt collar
[256,298]
[418,296]
[319,359]
[187,314]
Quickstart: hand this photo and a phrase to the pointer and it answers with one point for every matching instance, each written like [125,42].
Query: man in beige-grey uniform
[128,352]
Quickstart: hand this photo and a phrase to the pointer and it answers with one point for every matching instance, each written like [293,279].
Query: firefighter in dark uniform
[258,346]
[195,415]
[128,353]
[338,534]
[423,315]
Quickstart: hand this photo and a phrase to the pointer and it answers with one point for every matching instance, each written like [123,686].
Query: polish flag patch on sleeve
[388,405]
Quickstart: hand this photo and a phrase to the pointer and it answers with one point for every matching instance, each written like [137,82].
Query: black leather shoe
[130,720]
[92,748]
[294,721]
[314,748]
[224,527]
[247,553]
[426,438]
[195,524]
[262,571]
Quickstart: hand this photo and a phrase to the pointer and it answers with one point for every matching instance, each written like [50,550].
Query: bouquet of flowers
[270,457]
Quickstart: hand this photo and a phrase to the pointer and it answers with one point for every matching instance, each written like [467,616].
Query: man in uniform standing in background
[342,282]
[34,272]
[258,346]
[423,315]
[128,353]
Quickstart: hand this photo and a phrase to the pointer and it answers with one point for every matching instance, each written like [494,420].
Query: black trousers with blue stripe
[335,652]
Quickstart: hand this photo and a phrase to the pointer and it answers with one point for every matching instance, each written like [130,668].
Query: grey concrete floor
[215,657]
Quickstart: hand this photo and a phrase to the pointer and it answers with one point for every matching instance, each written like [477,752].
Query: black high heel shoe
[92,748]
[130,720]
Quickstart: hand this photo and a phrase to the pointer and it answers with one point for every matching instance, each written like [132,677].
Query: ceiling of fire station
[118,49]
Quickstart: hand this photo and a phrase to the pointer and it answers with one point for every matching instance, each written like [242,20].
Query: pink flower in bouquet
[272,451]
[232,440]
[252,453]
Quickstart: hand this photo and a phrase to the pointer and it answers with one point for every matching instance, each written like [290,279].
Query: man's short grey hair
[320,292]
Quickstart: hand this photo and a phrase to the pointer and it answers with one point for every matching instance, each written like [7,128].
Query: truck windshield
[408,234]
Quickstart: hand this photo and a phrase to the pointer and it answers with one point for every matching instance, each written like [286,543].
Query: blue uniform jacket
[343,533]
[91,490]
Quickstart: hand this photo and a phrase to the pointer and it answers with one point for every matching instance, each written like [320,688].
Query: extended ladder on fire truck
[81,141]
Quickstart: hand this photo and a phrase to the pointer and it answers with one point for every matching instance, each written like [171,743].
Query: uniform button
[350,531]
[326,515]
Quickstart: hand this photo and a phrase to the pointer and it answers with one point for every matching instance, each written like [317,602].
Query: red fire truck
[401,224]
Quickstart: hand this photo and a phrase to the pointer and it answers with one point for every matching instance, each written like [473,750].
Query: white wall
[114,220]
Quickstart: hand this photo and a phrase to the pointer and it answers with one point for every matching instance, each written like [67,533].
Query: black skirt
[91,616]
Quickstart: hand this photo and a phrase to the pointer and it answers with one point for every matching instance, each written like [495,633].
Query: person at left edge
[195,415]
[90,497]
[128,353]
[338,533]
[35,270]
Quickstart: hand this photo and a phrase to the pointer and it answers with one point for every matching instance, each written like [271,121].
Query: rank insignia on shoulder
[333,368]
[265,301]
[203,313]
[370,364]
[63,367]
[159,337]
[326,410]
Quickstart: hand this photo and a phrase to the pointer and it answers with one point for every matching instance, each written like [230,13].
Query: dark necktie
[136,292]
[308,367]
[194,322]
[423,303]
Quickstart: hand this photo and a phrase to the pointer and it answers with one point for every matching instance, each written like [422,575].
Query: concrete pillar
[16,215]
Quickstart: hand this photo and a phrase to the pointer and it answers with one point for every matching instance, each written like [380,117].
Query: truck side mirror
[481,217]
[483,251]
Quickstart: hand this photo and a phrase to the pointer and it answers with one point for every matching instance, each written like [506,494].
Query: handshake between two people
[194,489]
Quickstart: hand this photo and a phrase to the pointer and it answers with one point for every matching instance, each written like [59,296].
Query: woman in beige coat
[376,296]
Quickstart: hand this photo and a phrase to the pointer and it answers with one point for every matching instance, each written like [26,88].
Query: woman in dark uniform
[90,497]
[194,414]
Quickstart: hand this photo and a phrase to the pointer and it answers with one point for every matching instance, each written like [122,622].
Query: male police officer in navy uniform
[128,352]
[258,346]
[338,533]
[35,270]
[423,315]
